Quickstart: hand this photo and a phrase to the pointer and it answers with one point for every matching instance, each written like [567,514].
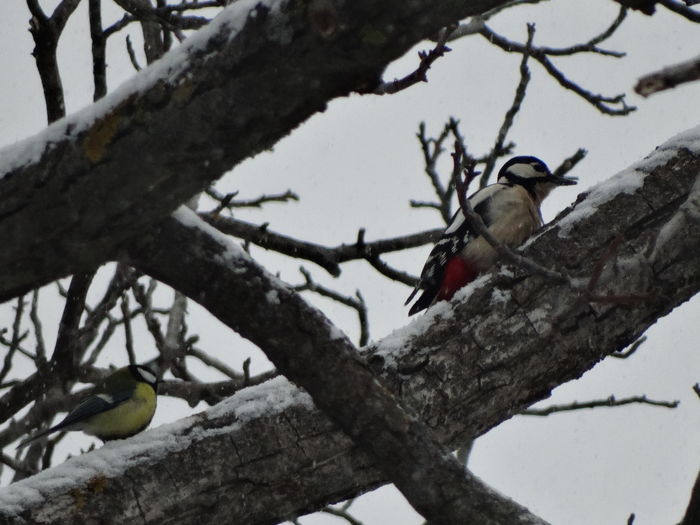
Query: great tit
[123,407]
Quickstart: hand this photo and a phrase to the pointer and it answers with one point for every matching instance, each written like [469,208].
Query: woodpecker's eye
[538,167]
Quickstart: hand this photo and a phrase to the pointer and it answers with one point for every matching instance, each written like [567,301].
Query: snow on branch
[229,91]
[463,367]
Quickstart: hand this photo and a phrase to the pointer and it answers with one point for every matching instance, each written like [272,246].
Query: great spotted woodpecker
[511,211]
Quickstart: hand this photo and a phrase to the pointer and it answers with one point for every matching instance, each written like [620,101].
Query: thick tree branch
[466,370]
[308,349]
[80,193]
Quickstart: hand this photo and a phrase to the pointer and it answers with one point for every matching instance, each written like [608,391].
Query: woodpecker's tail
[425,300]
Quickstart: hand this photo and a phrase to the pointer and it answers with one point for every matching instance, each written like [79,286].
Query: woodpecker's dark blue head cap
[528,171]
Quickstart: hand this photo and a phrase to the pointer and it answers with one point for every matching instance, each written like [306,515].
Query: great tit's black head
[529,172]
[144,374]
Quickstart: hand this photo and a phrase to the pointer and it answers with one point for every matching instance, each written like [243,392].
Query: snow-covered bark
[506,342]
[73,195]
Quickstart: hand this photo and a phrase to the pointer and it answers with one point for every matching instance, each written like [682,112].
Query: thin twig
[419,75]
[340,513]
[509,118]
[132,54]
[329,258]
[38,330]
[128,334]
[569,163]
[226,201]
[16,339]
[357,302]
[609,402]
[685,11]
[631,350]
[603,103]
[214,363]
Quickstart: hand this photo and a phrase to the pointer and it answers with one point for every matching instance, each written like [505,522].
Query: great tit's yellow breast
[126,419]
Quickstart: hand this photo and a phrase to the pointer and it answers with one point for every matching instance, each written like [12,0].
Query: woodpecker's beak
[561,181]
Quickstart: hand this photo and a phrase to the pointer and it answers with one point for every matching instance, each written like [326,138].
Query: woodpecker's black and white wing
[453,240]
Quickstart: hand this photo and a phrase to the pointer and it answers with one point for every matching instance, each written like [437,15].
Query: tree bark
[462,369]
[73,195]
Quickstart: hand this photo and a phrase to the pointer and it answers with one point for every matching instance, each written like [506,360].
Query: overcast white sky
[358,164]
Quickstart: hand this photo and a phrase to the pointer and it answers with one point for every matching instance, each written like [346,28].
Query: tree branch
[609,402]
[462,369]
[247,72]
[329,258]
[669,77]
[309,350]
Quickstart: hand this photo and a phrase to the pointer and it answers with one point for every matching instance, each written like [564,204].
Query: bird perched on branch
[510,209]
[124,406]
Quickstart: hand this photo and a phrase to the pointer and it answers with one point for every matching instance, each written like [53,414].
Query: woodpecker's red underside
[458,272]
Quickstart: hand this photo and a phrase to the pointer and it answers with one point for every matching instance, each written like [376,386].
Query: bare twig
[680,9]
[390,272]
[432,148]
[342,513]
[569,163]
[46,32]
[67,351]
[498,147]
[608,402]
[16,465]
[329,258]
[419,75]
[132,54]
[211,393]
[214,363]
[128,334]
[99,43]
[631,350]
[143,297]
[669,77]
[226,201]
[16,339]
[604,104]
[174,348]
[38,329]
[357,302]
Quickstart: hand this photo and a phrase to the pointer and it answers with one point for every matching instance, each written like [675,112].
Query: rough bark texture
[305,346]
[508,345]
[147,152]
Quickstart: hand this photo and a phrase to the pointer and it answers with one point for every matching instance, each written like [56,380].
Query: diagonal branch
[242,65]
[463,368]
[329,258]
[313,353]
